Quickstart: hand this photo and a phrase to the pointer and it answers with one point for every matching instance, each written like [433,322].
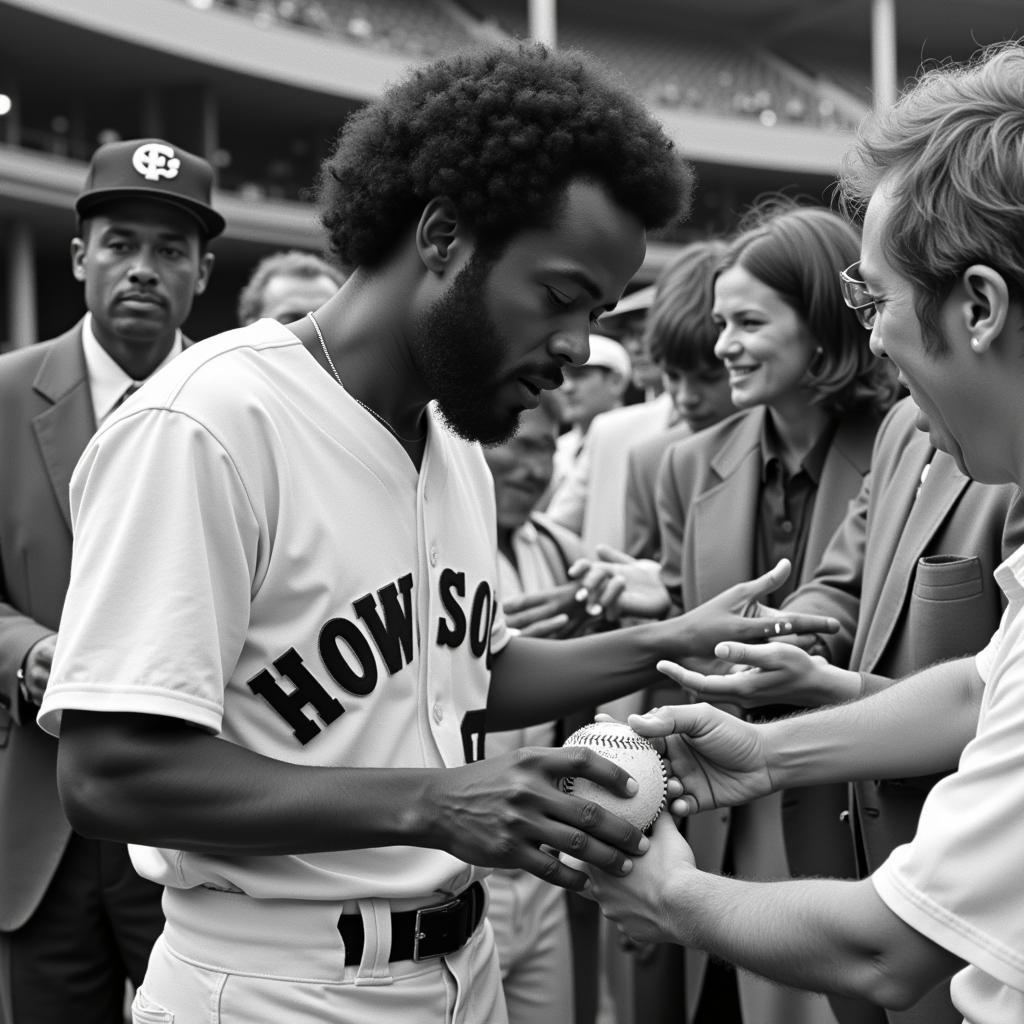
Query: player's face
[505,328]
[700,397]
[956,407]
[142,265]
[522,466]
[288,297]
[763,343]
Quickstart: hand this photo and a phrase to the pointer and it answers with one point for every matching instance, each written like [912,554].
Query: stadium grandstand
[762,95]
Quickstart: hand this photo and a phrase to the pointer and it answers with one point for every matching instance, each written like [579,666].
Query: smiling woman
[770,483]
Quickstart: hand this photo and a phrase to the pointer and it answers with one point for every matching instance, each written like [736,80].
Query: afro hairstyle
[500,132]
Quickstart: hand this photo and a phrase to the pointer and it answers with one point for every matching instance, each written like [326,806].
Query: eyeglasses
[857,296]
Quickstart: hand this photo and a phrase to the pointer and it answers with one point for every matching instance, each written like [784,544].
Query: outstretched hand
[554,612]
[737,614]
[618,585]
[718,759]
[769,673]
[636,902]
[508,812]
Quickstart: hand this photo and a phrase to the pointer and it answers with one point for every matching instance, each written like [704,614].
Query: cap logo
[155,161]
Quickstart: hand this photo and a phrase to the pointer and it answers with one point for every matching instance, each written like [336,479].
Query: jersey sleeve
[166,555]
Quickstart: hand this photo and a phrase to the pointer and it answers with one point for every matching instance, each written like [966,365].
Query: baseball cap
[609,354]
[151,169]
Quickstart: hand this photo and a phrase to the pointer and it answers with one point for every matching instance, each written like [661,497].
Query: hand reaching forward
[737,614]
[636,902]
[620,585]
[719,759]
[554,612]
[769,673]
[508,812]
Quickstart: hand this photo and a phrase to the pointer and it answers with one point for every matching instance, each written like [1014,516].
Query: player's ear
[438,234]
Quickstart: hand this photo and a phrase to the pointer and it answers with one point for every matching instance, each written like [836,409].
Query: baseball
[619,743]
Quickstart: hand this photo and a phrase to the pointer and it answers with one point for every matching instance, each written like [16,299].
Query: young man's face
[700,397]
[142,265]
[947,384]
[505,329]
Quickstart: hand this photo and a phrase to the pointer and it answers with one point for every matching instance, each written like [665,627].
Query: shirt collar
[813,462]
[107,381]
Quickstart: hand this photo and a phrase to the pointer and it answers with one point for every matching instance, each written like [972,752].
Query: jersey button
[433,556]
[438,712]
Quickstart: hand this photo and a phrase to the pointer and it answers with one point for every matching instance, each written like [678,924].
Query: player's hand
[718,759]
[508,812]
[636,902]
[736,614]
[553,612]
[769,673]
[618,585]
[38,663]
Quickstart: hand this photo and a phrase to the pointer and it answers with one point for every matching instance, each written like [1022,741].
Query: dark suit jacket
[46,420]
[642,537]
[910,578]
[708,493]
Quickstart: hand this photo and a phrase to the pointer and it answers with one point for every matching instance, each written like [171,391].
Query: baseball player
[281,643]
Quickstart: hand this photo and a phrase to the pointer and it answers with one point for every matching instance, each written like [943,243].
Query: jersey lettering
[480,620]
[307,691]
[452,634]
[474,734]
[396,629]
[384,625]
[334,661]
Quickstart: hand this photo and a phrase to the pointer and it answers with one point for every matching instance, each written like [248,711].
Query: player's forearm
[822,935]
[539,680]
[917,726]
[142,779]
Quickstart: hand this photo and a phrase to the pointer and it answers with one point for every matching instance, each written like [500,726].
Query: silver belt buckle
[420,934]
[429,911]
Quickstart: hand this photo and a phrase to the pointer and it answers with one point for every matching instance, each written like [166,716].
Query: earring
[976,344]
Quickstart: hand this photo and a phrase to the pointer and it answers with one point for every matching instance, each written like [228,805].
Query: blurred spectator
[285,286]
[530,917]
[680,336]
[595,387]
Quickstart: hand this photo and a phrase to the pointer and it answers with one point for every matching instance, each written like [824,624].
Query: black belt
[424,933]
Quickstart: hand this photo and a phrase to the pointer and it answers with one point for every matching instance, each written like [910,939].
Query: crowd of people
[294,620]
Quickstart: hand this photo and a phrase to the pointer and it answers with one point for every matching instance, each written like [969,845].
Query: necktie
[125,395]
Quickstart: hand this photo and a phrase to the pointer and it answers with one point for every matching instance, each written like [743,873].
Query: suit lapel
[725,515]
[909,536]
[63,428]
[847,463]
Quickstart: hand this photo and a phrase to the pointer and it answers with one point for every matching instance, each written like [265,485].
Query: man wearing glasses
[940,287]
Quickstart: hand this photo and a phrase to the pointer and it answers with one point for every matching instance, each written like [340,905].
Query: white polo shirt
[961,880]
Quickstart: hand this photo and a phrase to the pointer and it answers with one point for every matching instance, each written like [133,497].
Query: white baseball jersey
[257,555]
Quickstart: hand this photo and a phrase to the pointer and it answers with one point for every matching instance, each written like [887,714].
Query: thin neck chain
[376,415]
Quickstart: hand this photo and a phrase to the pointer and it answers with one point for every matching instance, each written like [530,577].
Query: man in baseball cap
[76,920]
[588,390]
[151,169]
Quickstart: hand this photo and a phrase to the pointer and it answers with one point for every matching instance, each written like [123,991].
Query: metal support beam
[884,75]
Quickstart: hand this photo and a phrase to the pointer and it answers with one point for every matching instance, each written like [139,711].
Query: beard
[457,347]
